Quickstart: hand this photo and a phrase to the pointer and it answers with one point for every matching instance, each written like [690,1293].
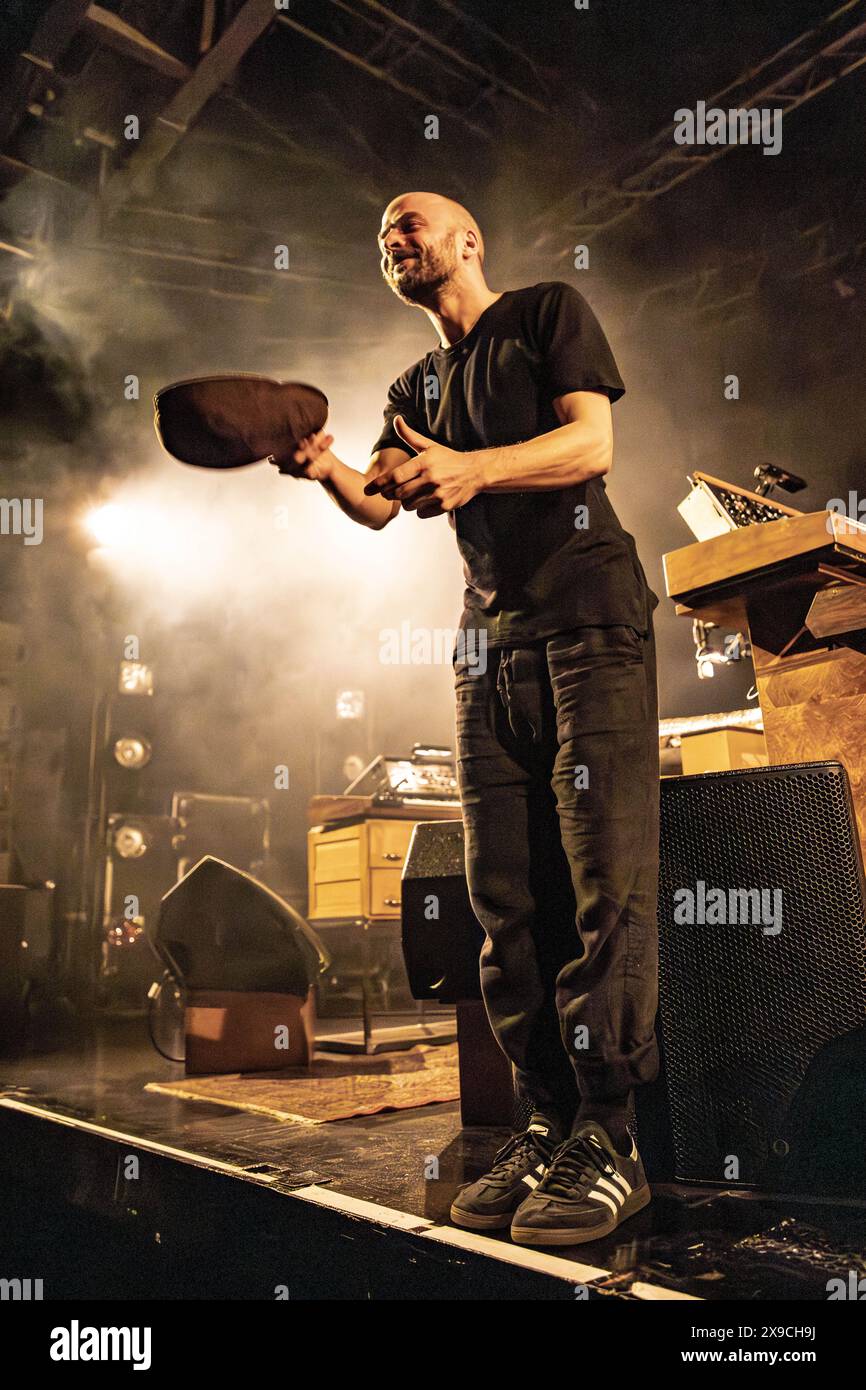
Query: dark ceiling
[261,126]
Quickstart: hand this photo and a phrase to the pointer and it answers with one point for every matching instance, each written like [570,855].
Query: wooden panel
[841,608]
[760,548]
[722,750]
[354,870]
[336,857]
[814,707]
[235,1031]
[325,810]
[336,900]
[385,888]
[389,841]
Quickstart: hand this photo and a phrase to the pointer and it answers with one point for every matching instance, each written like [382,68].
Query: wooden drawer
[388,842]
[336,899]
[385,892]
[336,858]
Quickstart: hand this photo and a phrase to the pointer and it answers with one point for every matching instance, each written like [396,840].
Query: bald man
[505,427]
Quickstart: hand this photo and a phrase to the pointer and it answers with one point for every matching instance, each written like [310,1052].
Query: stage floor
[223,1203]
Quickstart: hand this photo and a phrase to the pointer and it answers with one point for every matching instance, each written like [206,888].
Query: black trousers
[558,765]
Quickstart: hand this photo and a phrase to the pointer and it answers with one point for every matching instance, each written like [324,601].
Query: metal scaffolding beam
[381,74]
[115,33]
[137,175]
[445,50]
[721,292]
[786,80]
[34,67]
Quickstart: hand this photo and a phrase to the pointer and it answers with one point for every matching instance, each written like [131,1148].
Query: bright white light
[140,532]
[111,525]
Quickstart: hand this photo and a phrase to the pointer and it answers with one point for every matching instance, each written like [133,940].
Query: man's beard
[433,268]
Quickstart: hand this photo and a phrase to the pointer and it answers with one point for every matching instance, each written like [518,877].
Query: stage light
[122,934]
[135,678]
[130,841]
[350,704]
[132,753]
[142,533]
[111,525]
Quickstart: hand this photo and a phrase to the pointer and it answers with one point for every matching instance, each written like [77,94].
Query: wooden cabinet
[354,869]
[796,587]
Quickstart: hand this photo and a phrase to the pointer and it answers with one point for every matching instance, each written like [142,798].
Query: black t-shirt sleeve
[401,401]
[576,354]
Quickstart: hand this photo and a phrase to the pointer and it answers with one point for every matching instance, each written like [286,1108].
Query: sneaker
[491,1201]
[587,1191]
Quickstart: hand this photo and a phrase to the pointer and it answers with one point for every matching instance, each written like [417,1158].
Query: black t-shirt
[536,563]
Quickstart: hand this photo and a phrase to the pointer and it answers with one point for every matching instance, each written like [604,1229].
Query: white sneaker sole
[474,1221]
[568,1235]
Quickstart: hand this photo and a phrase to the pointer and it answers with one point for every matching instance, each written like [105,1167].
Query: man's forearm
[346,486]
[570,454]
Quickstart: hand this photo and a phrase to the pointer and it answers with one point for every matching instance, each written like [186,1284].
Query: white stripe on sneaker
[596,1196]
[618,1177]
[530,1180]
[617,1192]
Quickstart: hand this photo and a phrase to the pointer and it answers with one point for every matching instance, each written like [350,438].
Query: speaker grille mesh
[742,1012]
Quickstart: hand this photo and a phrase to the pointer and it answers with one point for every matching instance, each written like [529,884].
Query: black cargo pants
[558,765]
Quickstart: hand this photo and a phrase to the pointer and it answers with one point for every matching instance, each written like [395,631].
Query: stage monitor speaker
[762,979]
[442,937]
[221,930]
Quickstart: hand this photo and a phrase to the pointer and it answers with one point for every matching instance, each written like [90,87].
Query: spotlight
[121,934]
[110,525]
[350,704]
[135,678]
[353,766]
[132,753]
[130,841]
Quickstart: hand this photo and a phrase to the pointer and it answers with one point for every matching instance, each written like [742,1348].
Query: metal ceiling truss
[816,245]
[786,80]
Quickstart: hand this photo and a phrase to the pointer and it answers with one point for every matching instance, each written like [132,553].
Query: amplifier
[232,828]
[762,977]
[426,777]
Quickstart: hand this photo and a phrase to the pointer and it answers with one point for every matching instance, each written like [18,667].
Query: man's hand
[437,480]
[312,458]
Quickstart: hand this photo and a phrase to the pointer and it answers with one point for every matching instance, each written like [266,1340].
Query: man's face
[419,250]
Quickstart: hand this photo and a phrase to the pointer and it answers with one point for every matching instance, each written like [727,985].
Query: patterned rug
[334,1088]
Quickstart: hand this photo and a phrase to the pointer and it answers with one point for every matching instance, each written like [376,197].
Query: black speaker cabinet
[221,930]
[442,941]
[762,979]
[26,960]
[442,937]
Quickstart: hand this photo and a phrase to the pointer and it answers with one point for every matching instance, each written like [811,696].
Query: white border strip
[654,1293]
[356,1206]
[523,1255]
[136,1142]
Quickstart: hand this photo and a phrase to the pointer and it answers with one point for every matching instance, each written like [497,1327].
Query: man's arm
[439,479]
[580,449]
[314,460]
